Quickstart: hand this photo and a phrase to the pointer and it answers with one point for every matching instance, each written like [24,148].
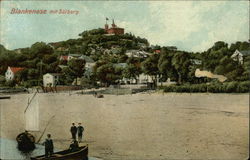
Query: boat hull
[81,154]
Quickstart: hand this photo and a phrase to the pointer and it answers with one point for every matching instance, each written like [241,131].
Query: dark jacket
[49,144]
[73,129]
[80,129]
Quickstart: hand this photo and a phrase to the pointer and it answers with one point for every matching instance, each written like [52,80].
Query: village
[122,63]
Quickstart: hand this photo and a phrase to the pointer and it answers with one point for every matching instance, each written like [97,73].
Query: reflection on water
[9,151]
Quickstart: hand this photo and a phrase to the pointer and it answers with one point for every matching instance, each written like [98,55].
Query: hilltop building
[114,29]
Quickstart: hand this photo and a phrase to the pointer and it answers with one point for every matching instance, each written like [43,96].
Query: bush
[215,87]
[243,87]
[10,83]
[2,80]
[30,83]
[231,87]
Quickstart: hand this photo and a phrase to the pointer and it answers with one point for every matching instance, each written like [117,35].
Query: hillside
[137,56]
[96,42]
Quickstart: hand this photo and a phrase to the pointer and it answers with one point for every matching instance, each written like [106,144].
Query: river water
[9,151]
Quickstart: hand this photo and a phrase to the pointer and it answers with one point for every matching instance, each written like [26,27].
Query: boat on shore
[81,154]
[4,97]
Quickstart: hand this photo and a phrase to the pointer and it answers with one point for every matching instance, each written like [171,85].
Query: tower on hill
[114,29]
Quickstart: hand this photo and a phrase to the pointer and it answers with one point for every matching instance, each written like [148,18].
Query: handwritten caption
[43,11]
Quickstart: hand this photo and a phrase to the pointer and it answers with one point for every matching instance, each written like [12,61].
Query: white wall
[9,74]
[48,79]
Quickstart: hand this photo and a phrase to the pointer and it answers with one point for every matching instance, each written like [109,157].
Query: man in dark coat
[49,147]
[74,146]
[73,131]
[80,130]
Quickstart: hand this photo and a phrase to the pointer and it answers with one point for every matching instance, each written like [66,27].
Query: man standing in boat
[73,131]
[49,147]
[80,130]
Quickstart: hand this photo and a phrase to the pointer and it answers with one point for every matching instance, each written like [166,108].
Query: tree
[211,58]
[150,67]
[39,49]
[21,76]
[33,74]
[108,74]
[68,76]
[76,67]
[165,65]
[132,71]
[181,63]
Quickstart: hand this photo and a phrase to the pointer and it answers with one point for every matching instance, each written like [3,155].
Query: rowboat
[4,97]
[81,154]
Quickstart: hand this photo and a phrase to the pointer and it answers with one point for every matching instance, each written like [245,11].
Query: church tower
[113,24]
[106,26]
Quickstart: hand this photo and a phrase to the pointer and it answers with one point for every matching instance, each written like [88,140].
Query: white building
[51,79]
[137,53]
[239,55]
[11,72]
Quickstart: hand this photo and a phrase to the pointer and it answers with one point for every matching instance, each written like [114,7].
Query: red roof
[16,69]
[157,51]
[65,58]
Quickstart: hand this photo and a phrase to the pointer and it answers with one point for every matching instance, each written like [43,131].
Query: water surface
[9,151]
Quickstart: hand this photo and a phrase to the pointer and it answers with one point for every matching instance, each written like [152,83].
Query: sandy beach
[141,126]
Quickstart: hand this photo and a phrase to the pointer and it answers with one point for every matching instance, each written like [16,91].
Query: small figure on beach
[74,146]
[95,93]
[80,130]
[73,131]
[49,147]
[98,95]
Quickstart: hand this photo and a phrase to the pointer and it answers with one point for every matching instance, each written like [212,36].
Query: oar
[45,129]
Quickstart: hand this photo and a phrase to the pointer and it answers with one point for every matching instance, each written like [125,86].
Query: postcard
[124,80]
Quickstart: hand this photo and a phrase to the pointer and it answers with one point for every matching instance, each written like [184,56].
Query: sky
[190,25]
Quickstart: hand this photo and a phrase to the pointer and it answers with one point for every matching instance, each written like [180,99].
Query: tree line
[170,62]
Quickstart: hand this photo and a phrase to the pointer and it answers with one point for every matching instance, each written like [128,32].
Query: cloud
[180,22]
[176,20]
[231,25]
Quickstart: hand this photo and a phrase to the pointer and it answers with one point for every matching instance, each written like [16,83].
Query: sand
[141,126]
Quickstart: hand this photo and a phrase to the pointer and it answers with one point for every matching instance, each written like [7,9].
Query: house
[114,30]
[141,79]
[89,64]
[137,53]
[64,58]
[51,79]
[11,72]
[157,51]
[76,56]
[196,61]
[240,55]
[69,57]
